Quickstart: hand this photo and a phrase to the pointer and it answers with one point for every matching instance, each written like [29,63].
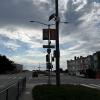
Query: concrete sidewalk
[27,94]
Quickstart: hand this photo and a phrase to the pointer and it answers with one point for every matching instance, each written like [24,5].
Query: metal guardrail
[13,91]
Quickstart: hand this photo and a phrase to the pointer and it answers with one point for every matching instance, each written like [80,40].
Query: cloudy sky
[21,41]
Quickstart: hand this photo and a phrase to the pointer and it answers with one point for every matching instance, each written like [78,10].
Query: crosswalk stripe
[95,85]
[92,85]
[88,86]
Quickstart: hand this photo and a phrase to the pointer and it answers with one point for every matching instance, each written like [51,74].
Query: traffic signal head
[49,51]
[54,53]
[47,58]
[49,66]
[52,58]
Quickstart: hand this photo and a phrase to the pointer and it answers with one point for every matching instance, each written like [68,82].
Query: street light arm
[64,22]
[51,24]
[39,22]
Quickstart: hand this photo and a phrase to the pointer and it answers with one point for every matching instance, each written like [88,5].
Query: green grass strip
[65,92]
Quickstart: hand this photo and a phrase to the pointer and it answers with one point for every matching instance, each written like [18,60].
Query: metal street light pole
[48,50]
[49,42]
[57,42]
[57,45]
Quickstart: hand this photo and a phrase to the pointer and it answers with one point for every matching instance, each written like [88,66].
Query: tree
[6,65]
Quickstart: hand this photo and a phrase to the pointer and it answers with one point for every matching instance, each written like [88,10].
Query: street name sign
[48,46]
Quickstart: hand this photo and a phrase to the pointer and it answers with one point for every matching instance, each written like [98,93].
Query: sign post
[49,34]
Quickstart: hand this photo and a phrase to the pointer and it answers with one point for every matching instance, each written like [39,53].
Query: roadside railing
[14,90]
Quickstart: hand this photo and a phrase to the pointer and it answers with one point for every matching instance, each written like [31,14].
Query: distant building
[19,67]
[83,65]
[80,65]
[90,62]
[96,57]
[71,67]
[77,66]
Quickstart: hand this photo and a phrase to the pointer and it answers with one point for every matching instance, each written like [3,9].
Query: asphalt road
[6,80]
[65,79]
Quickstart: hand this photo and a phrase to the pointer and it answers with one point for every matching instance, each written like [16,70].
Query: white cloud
[81,4]
[12,46]
[35,53]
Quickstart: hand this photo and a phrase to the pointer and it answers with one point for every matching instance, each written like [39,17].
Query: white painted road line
[95,85]
[88,86]
[14,77]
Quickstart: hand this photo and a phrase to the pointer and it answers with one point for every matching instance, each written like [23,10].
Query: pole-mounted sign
[49,32]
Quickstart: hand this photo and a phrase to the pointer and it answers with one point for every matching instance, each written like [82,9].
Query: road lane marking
[14,77]
[27,92]
[88,86]
[95,85]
